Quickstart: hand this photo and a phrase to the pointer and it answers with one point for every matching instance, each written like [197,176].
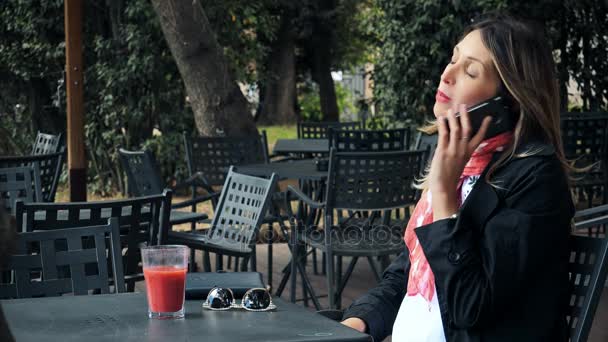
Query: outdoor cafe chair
[211,157]
[585,139]
[238,216]
[428,142]
[142,220]
[18,183]
[47,143]
[588,267]
[376,182]
[369,140]
[318,130]
[143,177]
[49,166]
[35,267]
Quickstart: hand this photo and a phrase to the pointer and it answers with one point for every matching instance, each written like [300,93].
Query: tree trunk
[322,42]
[279,93]
[327,90]
[217,102]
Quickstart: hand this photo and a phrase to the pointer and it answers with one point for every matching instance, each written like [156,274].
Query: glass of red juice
[165,273]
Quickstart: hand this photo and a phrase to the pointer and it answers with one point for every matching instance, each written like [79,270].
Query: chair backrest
[369,141]
[240,210]
[143,175]
[318,130]
[49,165]
[373,180]
[18,183]
[212,156]
[142,220]
[588,267]
[38,268]
[47,143]
[426,142]
[584,136]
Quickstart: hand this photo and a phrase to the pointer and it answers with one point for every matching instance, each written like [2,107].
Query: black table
[123,317]
[286,146]
[304,169]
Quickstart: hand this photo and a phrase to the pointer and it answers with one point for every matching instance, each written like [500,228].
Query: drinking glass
[165,269]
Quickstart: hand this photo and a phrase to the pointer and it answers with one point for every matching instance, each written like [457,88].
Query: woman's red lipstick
[441,97]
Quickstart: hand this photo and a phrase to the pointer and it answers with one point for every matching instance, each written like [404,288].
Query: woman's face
[469,78]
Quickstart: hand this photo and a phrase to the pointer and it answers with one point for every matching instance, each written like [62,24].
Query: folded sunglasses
[256,299]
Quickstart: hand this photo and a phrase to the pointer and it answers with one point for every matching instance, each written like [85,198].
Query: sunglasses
[256,299]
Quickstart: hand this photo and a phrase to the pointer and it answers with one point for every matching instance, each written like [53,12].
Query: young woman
[487,244]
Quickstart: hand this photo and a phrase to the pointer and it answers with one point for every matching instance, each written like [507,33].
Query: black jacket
[501,267]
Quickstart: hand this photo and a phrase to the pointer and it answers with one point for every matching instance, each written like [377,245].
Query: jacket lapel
[483,199]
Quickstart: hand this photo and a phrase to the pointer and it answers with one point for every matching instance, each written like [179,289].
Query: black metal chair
[376,182]
[588,268]
[144,179]
[211,157]
[49,166]
[142,220]
[47,143]
[18,183]
[318,130]
[585,139]
[369,141]
[426,142]
[37,266]
[238,216]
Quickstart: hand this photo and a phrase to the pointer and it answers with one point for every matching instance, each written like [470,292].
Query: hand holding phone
[498,109]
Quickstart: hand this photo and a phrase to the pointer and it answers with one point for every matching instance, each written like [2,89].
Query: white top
[418,320]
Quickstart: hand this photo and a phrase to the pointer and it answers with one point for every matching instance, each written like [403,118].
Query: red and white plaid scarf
[421,279]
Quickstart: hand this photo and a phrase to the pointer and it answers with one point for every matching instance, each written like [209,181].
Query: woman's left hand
[455,146]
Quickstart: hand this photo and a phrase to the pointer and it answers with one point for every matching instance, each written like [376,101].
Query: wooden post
[75,104]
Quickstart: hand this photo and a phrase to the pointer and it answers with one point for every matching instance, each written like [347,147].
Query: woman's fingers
[454,125]
[465,123]
[442,132]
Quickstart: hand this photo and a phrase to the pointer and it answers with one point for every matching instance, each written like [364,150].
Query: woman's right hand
[355,323]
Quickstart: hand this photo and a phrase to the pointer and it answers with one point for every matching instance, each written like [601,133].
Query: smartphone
[498,109]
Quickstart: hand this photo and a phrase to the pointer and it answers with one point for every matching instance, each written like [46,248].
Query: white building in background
[358,82]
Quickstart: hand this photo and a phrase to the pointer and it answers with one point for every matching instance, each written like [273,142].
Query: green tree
[416,37]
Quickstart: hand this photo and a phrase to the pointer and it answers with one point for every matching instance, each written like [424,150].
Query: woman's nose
[447,76]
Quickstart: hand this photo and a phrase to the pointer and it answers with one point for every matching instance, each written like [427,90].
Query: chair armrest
[196,180]
[195,200]
[592,211]
[280,158]
[299,195]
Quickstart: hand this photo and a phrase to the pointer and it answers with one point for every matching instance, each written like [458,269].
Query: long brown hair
[523,59]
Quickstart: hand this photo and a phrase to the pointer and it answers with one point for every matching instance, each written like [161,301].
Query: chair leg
[329,262]
[253,257]
[206,261]
[349,271]
[338,279]
[243,266]
[374,267]
[283,283]
[294,261]
[315,269]
[323,263]
[219,262]
[270,236]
